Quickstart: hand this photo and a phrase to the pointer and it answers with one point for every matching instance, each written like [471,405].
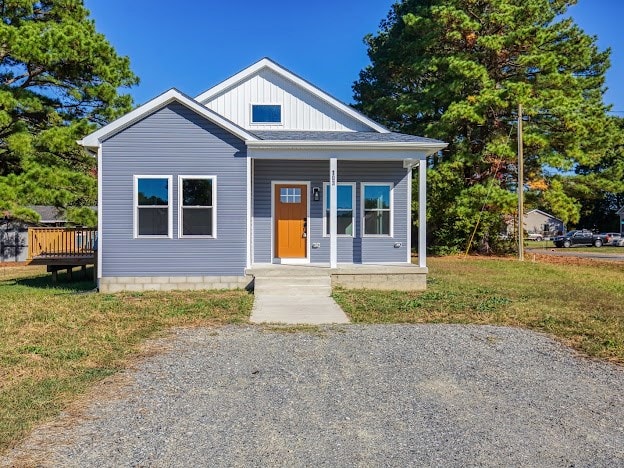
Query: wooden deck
[62,248]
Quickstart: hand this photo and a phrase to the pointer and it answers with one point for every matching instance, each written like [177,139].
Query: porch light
[316,193]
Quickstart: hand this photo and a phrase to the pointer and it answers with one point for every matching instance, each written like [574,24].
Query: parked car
[535,236]
[612,238]
[579,237]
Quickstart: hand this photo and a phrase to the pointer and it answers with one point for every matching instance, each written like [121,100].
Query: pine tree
[58,81]
[457,70]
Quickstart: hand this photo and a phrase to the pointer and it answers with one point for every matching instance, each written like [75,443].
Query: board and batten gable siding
[173,141]
[301,110]
[356,249]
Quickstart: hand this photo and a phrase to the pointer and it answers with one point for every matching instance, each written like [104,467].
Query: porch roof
[325,136]
[285,144]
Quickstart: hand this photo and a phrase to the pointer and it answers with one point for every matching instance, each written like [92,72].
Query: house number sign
[333,178]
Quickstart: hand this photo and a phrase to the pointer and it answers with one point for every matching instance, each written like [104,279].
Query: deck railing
[60,242]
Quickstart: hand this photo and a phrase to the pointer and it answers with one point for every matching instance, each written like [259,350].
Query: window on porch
[377,203]
[345,212]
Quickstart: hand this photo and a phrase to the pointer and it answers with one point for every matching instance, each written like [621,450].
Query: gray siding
[350,250]
[173,141]
[13,242]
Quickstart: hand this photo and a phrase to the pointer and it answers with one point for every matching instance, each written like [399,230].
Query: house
[14,233]
[263,169]
[537,224]
[541,223]
[620,212]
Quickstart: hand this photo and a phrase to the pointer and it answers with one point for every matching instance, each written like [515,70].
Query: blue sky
[199,43]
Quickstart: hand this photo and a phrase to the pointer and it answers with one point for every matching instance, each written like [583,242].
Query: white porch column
[333,212]
[422,213]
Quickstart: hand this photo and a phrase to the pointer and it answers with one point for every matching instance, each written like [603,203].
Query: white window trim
[264,124]
[214,206]
[363,186]
[325,207]
[135,202]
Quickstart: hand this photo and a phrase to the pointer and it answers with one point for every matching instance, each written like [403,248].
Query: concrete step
[293,286]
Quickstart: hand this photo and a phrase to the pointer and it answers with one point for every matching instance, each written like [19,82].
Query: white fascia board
[173,95]
[278,69]
[428,148]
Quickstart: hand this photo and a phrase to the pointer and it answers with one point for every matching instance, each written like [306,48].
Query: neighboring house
[537,223]
[542,223]
[14,233]
[263,168]
[620,212]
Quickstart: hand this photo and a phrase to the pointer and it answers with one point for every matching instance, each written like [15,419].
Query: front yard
[580,303]
[57,341]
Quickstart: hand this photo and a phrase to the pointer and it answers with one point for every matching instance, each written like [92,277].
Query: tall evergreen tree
[59,79]
[457,70]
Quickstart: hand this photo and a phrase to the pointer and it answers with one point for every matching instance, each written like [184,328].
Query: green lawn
[583,306]
[56,341]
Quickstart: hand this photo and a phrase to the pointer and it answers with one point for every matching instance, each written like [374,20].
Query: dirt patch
[12,264]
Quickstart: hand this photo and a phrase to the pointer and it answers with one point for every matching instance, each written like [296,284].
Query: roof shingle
[288,135]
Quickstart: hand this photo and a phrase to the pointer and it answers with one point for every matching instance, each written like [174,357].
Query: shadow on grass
[80,282]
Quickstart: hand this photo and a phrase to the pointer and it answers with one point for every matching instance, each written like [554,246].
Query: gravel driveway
[395,395]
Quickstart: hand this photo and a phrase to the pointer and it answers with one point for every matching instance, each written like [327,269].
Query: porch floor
[313,269]
[397,276]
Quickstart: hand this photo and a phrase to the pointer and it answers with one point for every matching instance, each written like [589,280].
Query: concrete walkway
[298,300]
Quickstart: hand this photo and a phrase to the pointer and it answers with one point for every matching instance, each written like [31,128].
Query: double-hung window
[152,206]
[345,225]
[377,208]
[198,206]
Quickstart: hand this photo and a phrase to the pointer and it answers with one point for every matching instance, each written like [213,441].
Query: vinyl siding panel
[173,141]
[300,109]
[350,250]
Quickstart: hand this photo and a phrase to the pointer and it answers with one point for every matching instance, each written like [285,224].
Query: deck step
[293,285]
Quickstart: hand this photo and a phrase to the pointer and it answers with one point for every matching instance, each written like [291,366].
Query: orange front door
[291,218]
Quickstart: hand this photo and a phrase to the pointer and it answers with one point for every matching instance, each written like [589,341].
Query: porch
[402,277]
[369,225]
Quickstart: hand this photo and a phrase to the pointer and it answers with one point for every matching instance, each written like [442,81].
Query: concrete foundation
[172,283]
[391,277]
[381,281]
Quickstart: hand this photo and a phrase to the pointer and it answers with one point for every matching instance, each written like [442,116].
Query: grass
[57,341]
[581,305]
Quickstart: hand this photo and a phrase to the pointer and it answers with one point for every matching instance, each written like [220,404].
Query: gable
[93,140]
[303,107]
[174,131]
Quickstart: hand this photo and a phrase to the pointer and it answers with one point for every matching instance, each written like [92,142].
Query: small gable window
[266,114]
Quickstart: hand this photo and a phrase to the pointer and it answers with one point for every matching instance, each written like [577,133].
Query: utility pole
[520,188]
